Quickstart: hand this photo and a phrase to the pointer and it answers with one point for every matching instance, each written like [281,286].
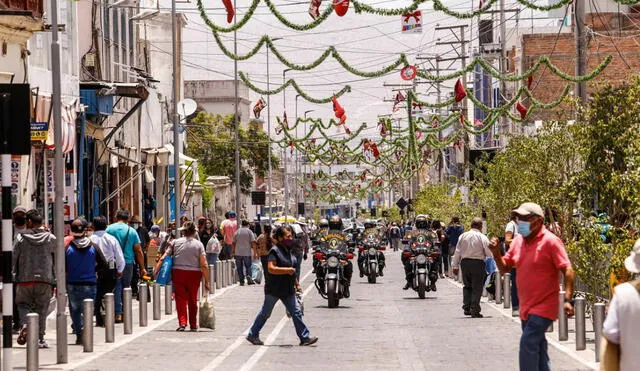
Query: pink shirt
[229,230]
[538,262]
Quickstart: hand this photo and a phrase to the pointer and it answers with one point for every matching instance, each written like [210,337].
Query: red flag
[459,91]
[522,109]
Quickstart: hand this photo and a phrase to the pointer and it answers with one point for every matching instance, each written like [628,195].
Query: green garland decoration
[439,6]
[293,84]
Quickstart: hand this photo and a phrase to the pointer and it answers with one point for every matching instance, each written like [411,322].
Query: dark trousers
[515,301]
[106,284]
[444,267]
[473,276]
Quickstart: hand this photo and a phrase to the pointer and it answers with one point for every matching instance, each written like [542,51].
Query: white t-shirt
[512,227]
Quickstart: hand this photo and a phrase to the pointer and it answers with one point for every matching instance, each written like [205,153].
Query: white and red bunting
[412,22]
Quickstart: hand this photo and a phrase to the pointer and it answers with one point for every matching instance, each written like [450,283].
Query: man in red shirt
[538,255]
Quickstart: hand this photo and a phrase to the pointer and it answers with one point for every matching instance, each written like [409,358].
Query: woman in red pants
[189,266]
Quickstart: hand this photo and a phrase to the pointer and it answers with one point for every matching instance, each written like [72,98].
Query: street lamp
[284,103]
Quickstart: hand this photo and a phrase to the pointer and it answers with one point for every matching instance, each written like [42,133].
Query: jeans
[515,302]
[473,276]
[33,299]
[533,344]
[186,284]
[76,295]
[298,263]
[122,283]
[212,258]
[291,303]
[243,264]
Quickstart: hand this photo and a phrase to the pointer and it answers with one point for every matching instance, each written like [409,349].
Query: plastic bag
[164,276]
[207,314]
[256,272]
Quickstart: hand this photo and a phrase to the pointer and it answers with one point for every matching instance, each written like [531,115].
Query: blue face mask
[524,228]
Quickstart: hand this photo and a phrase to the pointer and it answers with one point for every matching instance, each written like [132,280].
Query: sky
[367,42]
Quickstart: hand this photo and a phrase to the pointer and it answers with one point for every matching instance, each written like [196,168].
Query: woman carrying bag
[281,286]
[188,267]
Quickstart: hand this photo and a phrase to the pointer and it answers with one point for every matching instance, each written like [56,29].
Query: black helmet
[369,223]
[324,223]
[335,223]
[422,222]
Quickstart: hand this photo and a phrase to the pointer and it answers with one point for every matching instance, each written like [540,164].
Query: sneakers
[256,340]
[42,344]
[181,328]
[361,274]
[433,287]
[477,315]
[78,341]
[22,336]
[118,318]
[309,341]
[515,312]
[250,281]
[380,273]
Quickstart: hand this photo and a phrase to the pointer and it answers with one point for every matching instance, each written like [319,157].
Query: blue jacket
[83,260]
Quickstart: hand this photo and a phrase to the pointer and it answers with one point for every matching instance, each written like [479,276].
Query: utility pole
[177,194]
[581,49]
[503,69]
[236,122]
[462,55]
[285,181]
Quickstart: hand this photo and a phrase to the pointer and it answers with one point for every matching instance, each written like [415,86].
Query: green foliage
[442,202]
[211,141]
[589,257]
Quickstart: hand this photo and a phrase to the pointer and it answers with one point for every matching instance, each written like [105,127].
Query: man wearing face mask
[538,255]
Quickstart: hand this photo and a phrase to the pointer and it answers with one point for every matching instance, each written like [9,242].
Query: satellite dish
[187,107]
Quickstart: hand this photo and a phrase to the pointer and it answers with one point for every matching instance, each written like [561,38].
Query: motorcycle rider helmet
[324,223]
[369,223]
[422,222]
[335,223]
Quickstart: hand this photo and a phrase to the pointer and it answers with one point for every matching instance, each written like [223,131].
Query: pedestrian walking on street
[471,251]
[143,236]
[538,255]
[510,232]
[453,231]
[244,245]
[206,232]
[395,236]
[83,260]
[108,277]
[281,285]
[131,250]
[301,244]
[228,229]
[264,243]
[19,216]
[189,267]
[33,269]
[213,249]
[622,325]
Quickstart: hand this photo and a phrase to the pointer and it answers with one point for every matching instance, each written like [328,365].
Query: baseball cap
[232,214]
[20,209]
[155,228]
[529,208]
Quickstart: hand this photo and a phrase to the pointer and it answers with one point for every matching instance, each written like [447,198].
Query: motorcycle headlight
[333,262]
[421,259]
[372,251]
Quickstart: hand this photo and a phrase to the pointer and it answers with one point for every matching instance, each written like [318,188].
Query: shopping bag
[207,314]
[609,355]
[164,276]
[256,271]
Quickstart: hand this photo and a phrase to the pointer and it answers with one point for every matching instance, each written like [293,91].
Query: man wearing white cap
[622,325]
[538,255]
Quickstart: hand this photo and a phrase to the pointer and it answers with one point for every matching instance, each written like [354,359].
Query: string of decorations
[293,84]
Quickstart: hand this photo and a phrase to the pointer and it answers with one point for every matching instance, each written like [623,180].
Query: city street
[380,327]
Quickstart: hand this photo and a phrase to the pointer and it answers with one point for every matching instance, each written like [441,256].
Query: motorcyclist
[323,229]
[421,227]
[335,228]
[370,228]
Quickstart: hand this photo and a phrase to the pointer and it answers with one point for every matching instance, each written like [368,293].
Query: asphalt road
[381,327]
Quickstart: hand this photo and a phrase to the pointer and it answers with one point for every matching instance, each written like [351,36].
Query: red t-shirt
[229,230]
[538,262]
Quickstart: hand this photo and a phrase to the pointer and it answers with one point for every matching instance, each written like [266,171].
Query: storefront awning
[182,156]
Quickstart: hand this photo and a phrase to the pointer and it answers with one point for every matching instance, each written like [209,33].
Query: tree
[441,202]
[210,140]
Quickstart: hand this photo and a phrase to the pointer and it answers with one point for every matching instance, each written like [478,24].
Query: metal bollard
[507,290]
[563,323]
[233,277]
[218,275]
[156,302]
[598,319]
[127,310]
[168,305]
[212,277]
[109,318]
[87,328]
[142,302]
[498,285]
[223,273]
[581,336]
[33,326]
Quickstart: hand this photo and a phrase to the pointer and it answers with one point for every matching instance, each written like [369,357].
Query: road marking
[242,338]
[562,348]
[108,347]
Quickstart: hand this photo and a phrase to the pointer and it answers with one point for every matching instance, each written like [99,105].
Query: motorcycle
[370,246]
[422,256]
[332,257]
